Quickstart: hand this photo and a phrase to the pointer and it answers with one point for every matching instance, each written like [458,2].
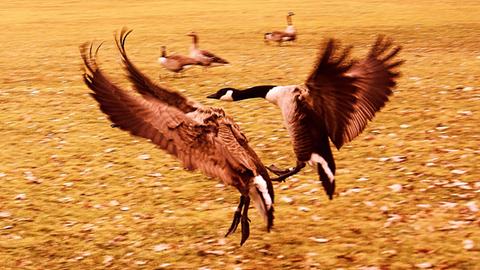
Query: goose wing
[197,145]
[213,57]
[236,143]
[277,35]
[347,94]
[183,60]
[375,79]
[145,86]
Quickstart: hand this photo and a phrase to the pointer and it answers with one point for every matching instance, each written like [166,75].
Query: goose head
[164,51]
[226,94]
[233,94]
[192,34]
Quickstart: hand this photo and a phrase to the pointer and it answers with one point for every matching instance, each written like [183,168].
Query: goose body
[176,63]
[205,58]
[335,103]
[289,34]
[202,138]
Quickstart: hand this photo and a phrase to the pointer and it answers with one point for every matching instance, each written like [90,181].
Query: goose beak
[213,96]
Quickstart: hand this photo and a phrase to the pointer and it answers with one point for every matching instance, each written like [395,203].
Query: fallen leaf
[107,259]
[424,265]
[21,196]
[286,199]
[144,157]
[472,206]
[215,252]
[448,205]
[113,203]
[319,240]
[139,262]
[31,178]
[161,247]
[468,244]
[398,158]
[303,209]
[5,214]
[390,252]
[457,171]
[396,187]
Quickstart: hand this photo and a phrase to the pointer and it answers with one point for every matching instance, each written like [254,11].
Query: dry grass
[78,175]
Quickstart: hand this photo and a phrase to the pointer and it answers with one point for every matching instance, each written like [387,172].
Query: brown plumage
[205,58]
[338,99]
[176,63]
[289,34]
[201,138]
[347,94]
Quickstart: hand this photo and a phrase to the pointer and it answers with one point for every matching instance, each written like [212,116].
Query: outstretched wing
[348,94]
[145,86]
[332,91]
[196,145]
[375,79]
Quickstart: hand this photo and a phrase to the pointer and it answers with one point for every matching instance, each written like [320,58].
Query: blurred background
[78,194]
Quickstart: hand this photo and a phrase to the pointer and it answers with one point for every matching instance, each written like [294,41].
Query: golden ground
[76,194]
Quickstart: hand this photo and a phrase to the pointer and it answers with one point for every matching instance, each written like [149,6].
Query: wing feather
[347,94]
[214,58]
[375,79]
[197,146]
[145,86]
[332,92]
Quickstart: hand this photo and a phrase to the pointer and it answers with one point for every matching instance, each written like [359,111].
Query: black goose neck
[195,39]
[259,91]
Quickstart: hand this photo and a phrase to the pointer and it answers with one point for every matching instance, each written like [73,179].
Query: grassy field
[77,194]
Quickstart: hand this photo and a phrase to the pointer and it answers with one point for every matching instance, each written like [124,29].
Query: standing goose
[201,138]
[205,58]
[290,34]
[336,102]
[176,63]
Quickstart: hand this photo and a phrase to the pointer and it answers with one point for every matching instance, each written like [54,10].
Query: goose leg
[245,222]
[284,174]
[274,169]
[236,217]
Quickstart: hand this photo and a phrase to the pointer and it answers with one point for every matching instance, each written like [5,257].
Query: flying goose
[290,34]
[205,58]
[200,137]
[336,101]
[176,63]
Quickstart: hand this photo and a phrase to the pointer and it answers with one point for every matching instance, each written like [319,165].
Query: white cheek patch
[262,187]
[227,96]
[318,159]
